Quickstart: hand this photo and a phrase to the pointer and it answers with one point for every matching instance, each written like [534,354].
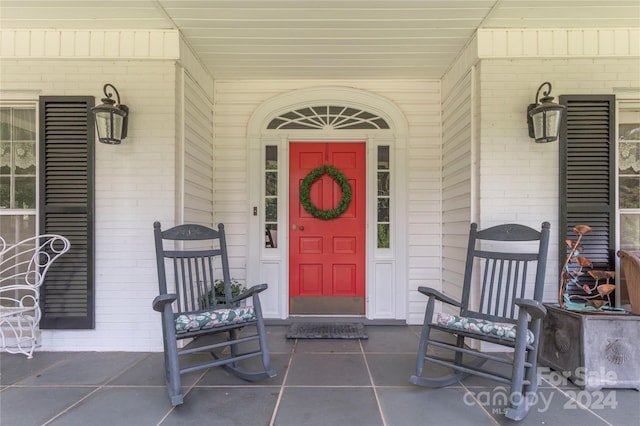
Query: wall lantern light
[111,118]
[544,117]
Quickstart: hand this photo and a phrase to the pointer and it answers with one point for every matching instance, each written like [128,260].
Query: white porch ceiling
[350,39]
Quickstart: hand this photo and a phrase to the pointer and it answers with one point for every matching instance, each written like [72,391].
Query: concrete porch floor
[319,382]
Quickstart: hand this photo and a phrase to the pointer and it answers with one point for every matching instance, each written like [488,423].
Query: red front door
[327,257]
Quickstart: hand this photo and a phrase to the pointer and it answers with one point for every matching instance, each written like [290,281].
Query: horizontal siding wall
[198,155]
[419,100]
[459,183]
[519,178]
[135,185]
[457,191]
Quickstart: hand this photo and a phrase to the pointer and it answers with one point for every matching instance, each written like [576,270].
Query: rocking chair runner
[193,311]
[509,313]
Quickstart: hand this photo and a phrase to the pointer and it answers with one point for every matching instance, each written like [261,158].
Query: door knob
[301,227]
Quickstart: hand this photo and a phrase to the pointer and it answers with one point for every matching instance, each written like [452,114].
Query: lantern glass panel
[546,125]
[118,122]
[109,125]
[553,122]
[538,125]
[103,124]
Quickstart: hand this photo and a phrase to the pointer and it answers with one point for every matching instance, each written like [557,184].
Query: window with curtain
[46,186]
[629,175]
[628,183]
[18,166]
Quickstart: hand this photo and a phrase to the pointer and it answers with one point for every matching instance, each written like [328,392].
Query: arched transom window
[329,117]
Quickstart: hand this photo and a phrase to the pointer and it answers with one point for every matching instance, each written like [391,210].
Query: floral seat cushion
[214,318]
[500,330]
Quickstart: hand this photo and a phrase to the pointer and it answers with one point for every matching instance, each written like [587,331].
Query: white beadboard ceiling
[354,39]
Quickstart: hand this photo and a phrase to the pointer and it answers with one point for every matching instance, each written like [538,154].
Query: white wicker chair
[23,267]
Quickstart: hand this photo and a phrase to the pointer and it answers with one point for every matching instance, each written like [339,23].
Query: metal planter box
[594,351]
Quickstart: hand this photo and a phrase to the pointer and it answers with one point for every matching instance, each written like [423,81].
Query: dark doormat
[327,330]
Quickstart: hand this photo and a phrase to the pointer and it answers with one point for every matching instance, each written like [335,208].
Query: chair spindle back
[505,275]
[194,268]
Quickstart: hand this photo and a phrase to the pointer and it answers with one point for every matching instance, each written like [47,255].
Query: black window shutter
[587,179]
[66,208]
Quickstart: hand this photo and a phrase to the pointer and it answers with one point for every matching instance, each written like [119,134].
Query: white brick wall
[519,178]
[134,185]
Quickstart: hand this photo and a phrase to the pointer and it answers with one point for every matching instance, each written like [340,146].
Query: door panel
[327,257]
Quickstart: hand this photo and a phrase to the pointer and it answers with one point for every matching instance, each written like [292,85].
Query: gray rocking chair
[509,314]
[234,330]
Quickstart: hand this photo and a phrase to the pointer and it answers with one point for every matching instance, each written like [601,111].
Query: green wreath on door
[341,180]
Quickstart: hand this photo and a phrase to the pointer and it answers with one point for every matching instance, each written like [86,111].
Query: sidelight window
[271,196]
[383,197]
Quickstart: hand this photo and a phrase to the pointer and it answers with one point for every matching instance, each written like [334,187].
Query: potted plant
[218,296]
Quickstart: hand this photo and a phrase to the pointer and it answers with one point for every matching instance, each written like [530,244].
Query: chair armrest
[430,292]
[249,292]
[160,301]
[532,307]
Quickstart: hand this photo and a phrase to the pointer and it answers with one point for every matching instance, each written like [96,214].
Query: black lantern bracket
[535,104]
[547,113]
[111,117]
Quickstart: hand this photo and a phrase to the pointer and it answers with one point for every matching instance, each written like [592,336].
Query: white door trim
[387,283]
